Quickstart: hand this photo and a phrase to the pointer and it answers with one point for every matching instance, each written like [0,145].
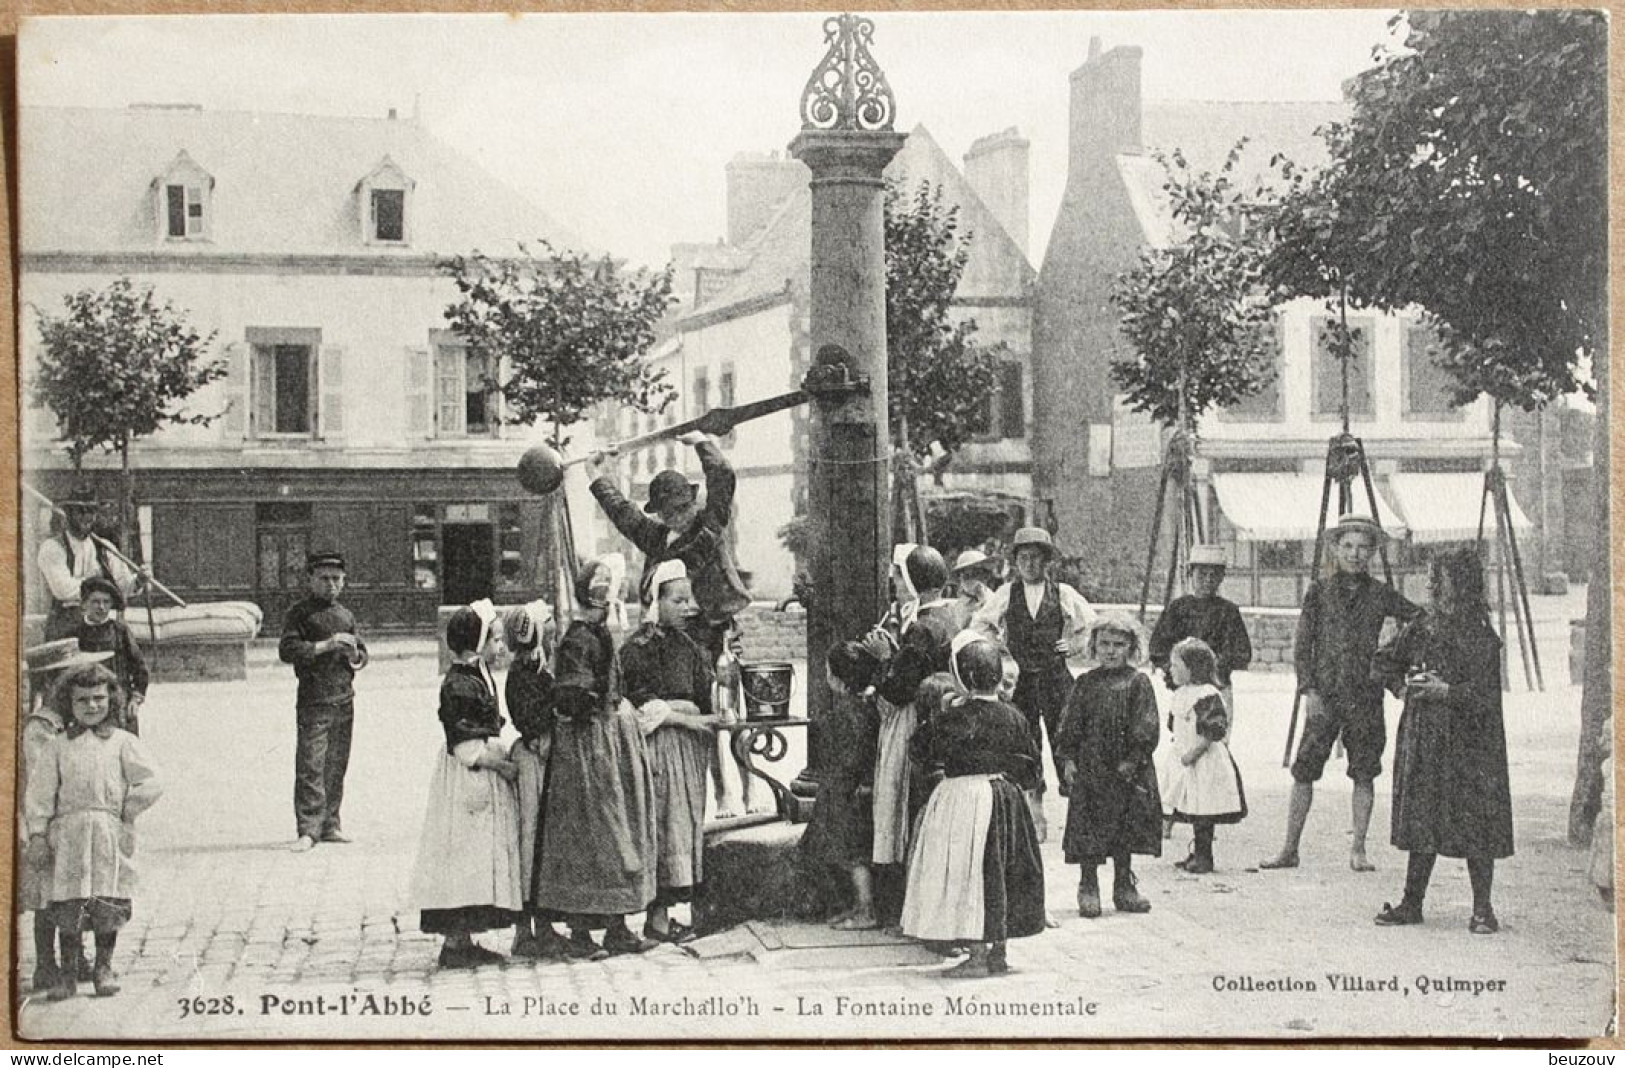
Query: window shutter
[330,393]
[263,419]
[234,424]
[451,400]
[417,393]
[496,403]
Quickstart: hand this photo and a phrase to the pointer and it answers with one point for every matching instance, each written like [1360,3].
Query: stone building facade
[350,419]
[1260,464]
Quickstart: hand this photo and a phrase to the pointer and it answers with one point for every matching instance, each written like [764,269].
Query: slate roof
[1205,131]
[283,184]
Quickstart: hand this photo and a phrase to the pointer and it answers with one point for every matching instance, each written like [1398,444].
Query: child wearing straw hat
[973,577]
[1044,624]
[1209,617]
[1342,619]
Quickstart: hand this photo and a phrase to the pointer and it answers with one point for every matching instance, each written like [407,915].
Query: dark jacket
[468,708]
[1215,621]
[327,679]
[665,663]
[529,692]
[922,651]
[588,682]
[703,548]
[114,637]
[977,737]
[1337,636]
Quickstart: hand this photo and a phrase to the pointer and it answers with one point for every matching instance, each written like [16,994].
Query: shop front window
[425,547]
[510,539]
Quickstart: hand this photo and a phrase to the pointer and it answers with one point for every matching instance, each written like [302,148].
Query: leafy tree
[1471,180]
[116,366]
[573,331]
[1309,254]
[1196,312]
[939,375]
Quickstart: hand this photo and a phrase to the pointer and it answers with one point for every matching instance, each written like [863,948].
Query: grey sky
[619,125]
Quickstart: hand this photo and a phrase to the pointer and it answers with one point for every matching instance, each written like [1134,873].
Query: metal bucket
[768,687]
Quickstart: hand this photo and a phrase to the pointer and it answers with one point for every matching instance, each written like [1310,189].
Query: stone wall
[773,635]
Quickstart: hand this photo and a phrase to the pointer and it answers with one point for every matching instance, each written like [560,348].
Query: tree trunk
[1596,696]
[129,539]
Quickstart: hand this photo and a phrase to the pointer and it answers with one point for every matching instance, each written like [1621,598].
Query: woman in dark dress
[974,872]
[1451,790]
[598,831]
[531,633]
[1107,738]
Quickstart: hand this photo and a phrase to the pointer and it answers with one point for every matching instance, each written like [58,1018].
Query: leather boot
[1089,893]
[1126,895]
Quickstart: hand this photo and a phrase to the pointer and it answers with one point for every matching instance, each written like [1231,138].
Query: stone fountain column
[847,139]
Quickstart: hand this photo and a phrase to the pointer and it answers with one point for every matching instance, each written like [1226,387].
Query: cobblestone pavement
[322,946]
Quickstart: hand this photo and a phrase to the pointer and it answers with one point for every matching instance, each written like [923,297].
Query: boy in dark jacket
[100,632]
[1213,619]
[319,640]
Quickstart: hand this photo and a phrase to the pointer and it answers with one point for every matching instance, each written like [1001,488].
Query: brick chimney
[757,184]
[1105,107]
[996,168]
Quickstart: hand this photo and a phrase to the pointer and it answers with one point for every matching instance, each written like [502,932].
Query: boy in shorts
[1342,619]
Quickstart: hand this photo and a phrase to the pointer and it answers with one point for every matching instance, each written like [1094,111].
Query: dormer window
[385,202]
[184,194]
[185,210]
[389,214]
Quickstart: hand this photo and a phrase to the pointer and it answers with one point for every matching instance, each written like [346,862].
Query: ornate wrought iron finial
[847,90]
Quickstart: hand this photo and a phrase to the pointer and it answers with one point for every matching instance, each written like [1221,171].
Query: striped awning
[1285,506]
[1444,507]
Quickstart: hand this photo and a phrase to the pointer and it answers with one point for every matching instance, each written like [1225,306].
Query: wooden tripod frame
[1509,564]
[1189,530]
[1345,459]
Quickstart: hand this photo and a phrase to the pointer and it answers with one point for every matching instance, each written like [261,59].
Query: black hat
[81,496]
[668,488]
[328,559]
[100,584]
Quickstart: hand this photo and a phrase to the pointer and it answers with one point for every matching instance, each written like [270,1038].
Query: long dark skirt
[975,873]
[469,919]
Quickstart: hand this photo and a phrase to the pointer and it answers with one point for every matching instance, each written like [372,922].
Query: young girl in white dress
[84,794]
[1202,785]
[467,877]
